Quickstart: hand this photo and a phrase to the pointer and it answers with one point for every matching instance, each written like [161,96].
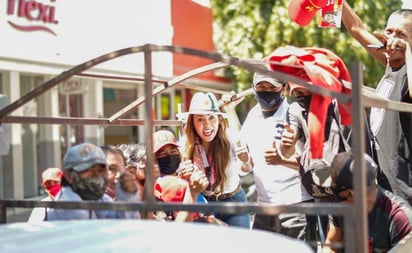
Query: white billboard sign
[75,31]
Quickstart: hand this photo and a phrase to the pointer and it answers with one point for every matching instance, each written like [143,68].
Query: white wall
[89,28]
[407,4]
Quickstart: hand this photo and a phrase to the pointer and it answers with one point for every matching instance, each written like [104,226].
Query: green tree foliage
[253,29]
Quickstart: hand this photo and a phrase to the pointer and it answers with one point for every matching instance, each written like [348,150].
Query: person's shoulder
[67,193]
[253,116]
[393,197]
[396,203]
[285,105]
[46,199]
[254,112]
[295,109]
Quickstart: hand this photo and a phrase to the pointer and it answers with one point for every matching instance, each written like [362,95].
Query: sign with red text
[72,86]
[32,16]
[72,32]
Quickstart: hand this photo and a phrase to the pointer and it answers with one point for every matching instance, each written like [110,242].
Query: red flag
[319,67]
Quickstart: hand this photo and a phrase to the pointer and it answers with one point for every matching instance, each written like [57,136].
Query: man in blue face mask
[277,179]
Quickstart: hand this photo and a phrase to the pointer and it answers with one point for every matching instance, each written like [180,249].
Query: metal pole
[3,214]
[68,144]
[148,87]
[358,145]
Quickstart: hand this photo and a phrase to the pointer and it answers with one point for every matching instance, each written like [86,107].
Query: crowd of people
[292,141]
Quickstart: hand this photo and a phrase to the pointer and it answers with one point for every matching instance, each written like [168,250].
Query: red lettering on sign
[32,11]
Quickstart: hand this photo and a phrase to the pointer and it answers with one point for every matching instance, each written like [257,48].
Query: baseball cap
[341,171]
[162,138]
[303,11]
[258,77]
[83,156]
[54,174]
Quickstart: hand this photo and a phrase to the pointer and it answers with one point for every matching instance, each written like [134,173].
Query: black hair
[114,150]
[64,182]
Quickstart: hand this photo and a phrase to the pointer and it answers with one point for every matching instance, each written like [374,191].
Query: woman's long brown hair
[219,149]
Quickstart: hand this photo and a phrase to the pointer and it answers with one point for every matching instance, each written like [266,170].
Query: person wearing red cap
[179,181]
[313,133]
[391,129]
[51,182]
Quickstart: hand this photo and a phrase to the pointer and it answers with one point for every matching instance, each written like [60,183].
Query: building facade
[43,38]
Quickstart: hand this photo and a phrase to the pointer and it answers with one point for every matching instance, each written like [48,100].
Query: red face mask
[53,190]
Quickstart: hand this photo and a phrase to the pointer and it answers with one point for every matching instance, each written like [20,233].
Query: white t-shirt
[275,184]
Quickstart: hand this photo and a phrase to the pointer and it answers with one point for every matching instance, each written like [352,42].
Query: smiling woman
[216,150]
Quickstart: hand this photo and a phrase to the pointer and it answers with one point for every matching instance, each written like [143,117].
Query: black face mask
[169,164]
[304,101]
[91,188]
[268,100]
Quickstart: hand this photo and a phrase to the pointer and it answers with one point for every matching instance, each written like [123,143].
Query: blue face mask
[268,100]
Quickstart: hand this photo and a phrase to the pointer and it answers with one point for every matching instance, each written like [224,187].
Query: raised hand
[198,182]
[272,156]
[241,151]
[128,182]
[288,141]
[186,168]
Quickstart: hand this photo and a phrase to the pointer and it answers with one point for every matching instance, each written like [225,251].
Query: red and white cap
[162,138]
[54,174]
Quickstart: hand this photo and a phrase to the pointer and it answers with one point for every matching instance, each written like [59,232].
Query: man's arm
[334,235]
[229,107]
[358,31]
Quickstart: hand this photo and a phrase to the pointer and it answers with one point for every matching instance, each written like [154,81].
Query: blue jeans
[236,220]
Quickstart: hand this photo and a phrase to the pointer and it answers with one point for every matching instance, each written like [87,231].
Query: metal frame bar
[361,97]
